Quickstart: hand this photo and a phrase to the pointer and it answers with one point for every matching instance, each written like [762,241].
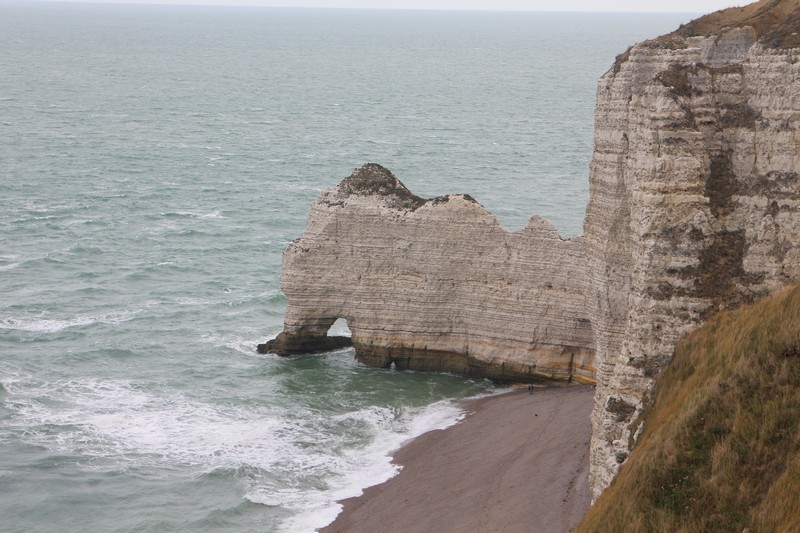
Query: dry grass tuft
[721,446]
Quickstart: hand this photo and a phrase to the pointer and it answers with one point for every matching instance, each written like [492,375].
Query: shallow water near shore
[157,161]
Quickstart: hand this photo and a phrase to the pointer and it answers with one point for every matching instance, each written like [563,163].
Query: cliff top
[776,23]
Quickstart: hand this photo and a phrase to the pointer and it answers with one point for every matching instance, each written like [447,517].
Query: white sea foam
[44,325]
[246,346]
[186,300]
[192,214]
[81,221]
[119,422]
[52,325]
[367,467]
[122,422]
[243,346]
[244,298]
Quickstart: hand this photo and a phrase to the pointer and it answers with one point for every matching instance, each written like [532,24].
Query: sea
[155,162]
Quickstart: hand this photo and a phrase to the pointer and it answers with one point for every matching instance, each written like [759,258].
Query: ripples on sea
[155,163]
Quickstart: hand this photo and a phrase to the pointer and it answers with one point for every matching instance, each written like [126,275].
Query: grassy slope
[721,446]
[774,21]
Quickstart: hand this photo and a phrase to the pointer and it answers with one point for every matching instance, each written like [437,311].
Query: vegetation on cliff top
[776,22]
[721,446]
[374,179]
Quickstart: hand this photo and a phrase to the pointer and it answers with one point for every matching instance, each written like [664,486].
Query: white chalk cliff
[694,196]
[436,285]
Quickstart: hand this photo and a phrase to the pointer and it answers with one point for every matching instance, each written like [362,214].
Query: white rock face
[694,195]
[694,198]
[438,284]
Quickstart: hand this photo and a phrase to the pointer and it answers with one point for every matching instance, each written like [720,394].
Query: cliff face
[437,285]
[694,197]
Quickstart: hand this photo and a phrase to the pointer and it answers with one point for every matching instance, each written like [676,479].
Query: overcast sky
[686,6]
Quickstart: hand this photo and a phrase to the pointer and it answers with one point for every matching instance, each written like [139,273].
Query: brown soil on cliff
[776,22]
[720,450]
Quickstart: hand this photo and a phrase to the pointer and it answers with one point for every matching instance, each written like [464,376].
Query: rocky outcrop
[436,285]
[304,343]
[694,195]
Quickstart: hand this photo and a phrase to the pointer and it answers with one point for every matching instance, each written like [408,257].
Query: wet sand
[518,463]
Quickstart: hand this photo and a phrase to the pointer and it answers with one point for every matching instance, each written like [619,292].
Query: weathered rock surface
[437,285]
[694,195]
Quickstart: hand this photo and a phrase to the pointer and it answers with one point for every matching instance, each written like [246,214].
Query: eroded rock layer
[437,285]
[694,195]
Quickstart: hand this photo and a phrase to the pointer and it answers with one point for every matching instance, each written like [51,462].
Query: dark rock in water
[299,343]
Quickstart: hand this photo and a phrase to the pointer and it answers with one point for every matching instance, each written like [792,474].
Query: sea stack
[436,285]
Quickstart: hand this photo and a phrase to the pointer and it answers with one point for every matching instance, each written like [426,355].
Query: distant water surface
[154,164]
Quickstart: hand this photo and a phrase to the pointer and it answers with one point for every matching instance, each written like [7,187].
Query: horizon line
[216,3]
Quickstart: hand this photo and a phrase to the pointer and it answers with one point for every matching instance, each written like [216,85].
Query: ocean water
[154,164]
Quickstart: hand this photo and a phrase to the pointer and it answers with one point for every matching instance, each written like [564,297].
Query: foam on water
[130,427]
[121,421]
[188,300]
[190,214]
[54,325]
[244,345]
[370,466]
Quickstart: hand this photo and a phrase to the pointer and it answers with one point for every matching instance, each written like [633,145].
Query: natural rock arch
[312,338]
[436,285]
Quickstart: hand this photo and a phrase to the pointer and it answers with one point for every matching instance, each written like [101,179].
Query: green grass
[721,446]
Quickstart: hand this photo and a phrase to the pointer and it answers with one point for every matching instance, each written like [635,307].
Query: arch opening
[340,328]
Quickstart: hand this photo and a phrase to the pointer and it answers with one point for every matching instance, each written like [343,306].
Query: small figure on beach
[530,389]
